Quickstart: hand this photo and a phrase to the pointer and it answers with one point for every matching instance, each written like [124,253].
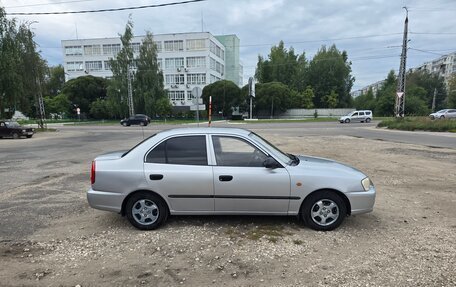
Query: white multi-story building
[187,60]
[445,66]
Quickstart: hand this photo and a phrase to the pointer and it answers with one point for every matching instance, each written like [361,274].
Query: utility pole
[399,110]
[131,108]
[41,111]
[433,99]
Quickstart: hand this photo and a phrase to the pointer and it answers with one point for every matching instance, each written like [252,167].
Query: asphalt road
[359,130]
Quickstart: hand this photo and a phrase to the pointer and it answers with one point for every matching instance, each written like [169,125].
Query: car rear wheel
[29,136]
[323,211]
[146,211]
[347,121]
[368,120]
[142,124]
[15,135]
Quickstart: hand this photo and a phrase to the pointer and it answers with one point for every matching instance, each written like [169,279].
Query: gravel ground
[50,237]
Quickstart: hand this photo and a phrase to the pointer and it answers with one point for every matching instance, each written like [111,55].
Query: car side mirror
[271,163]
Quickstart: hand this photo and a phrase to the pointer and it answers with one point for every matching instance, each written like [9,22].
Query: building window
[158,44]
[90,50]
[177,45]
[190,95]
[111,49]
[176,95]
[195,44]
[174,63]
[93,66]
[174,79]
[136,47]
[107,65]
[196,79]
[160,63]
[213,64]
[75,66]
[196,62]
[73,50]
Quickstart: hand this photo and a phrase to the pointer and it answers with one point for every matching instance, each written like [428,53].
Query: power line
[46,4]
[103,10]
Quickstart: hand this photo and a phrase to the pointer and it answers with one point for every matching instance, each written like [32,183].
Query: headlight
[23,131]
[366,183]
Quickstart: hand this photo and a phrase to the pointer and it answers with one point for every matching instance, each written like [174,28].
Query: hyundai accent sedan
[221,171]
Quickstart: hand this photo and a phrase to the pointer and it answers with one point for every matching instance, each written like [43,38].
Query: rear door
[361,116]
[3,129]
[242,184]
[451,114]
[177,168]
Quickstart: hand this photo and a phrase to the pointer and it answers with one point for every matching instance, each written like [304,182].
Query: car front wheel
[347,121]
[324,211]
[146,211]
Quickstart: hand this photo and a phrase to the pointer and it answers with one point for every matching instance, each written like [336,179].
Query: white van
[357,116]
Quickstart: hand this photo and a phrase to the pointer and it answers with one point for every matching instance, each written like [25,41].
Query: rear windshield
[138,144]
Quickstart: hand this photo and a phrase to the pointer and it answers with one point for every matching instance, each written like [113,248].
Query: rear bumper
[362,201]
[109,201]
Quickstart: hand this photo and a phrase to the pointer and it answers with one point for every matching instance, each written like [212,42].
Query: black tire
[368,120]
[442,117]
[142,124]
[124,124]
[347,121]
[15,135]
[29,136]
[156,208]
[311,207]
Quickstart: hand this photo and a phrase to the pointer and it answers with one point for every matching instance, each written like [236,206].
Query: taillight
[92,173]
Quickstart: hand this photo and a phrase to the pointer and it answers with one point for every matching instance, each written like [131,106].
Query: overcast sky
[366,29]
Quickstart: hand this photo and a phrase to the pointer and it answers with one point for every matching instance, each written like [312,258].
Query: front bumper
[362,201]
[109,201]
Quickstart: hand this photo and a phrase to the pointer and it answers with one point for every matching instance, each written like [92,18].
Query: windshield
[271,148]
[12,124]
[349,114]
[441,111]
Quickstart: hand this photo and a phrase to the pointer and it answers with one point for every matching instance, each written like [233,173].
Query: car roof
[205,130]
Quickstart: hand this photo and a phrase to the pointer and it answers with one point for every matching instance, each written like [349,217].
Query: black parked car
[14,130]
[138,119]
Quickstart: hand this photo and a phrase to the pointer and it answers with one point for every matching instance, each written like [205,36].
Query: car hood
[111,155]
[327,166]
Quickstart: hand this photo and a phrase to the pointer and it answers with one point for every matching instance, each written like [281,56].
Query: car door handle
[156,176]
[225,177]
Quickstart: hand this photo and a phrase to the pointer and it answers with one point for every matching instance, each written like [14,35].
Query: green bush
[419,123]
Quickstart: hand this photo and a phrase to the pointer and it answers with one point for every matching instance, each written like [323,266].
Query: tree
[282,66]
[452,92]
[225,95]
[99,109]
[21,68]
[149,88]
[272,98]
[302,100]
[365,101]
[329,71]
[422,85]
[55,80]
[331,100]
[83,91]
[59,104]
[120,67]
[386,96]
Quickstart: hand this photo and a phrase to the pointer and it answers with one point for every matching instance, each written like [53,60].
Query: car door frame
[284,200]
[175,199]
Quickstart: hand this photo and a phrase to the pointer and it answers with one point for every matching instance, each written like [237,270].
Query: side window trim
[166,150]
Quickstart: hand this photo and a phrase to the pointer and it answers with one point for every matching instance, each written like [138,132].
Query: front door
[242,184]
[178,169]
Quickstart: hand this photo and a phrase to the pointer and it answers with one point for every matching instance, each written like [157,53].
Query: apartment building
[187,60]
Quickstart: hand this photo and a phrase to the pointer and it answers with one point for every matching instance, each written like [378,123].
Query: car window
[361,113]
[355,115]
[2,125]
[368,113]
[185,150]
[233,151]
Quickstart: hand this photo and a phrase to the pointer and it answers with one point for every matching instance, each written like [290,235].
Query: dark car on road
[14,130]
[138,119]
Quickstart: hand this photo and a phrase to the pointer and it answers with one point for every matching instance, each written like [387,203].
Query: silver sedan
[224,171]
